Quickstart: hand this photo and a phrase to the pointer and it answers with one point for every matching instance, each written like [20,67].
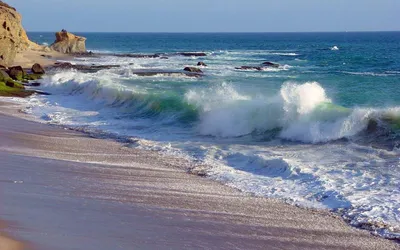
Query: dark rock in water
[270,64]
[93,69]
[249,68]
[16,73]
[131,63]
[201,64]
[37,69]
[193,69]
[83,68]
[166,73]
[192,54]
[46,56]
[34,84]
[41,92]
[62,65]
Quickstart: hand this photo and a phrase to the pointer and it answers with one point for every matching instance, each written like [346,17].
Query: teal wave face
[162,104]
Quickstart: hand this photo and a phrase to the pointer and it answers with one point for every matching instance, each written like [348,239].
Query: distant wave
[386,73]
[283,54]
[335,48]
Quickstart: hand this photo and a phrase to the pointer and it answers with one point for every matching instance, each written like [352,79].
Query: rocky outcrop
[17,73]
[271,64]
[137,55]
[69,43]
[83,68]
[193,69]
[263,66]
[250,68]
[3,76]
[37,69]
[192,54]
[13,38]
[201,64]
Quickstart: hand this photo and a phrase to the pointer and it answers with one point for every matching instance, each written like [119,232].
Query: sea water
[321,130]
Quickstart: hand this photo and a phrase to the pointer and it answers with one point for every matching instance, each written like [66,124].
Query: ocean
[320,131]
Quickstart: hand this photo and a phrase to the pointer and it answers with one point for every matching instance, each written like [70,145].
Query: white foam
[283,54]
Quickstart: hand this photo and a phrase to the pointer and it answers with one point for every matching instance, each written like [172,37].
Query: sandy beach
[45,58]
[62,189]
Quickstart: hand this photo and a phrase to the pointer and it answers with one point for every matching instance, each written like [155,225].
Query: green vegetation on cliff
[9,87]
[17,91]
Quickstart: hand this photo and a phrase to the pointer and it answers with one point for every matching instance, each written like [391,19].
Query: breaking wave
[298,112]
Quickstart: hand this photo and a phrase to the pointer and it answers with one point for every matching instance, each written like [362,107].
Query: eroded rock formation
[13,38]
[69,43]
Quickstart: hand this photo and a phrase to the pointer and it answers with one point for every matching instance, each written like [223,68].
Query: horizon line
[220,32]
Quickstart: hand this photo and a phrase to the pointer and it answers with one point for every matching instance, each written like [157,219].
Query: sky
[209,15]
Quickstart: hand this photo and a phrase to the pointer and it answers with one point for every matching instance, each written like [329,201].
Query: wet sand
[62,189]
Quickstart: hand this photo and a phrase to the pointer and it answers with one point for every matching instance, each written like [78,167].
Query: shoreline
[141,179]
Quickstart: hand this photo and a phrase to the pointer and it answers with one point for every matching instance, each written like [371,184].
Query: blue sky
[209,15]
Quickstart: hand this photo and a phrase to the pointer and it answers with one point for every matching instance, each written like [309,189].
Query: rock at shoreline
[3,76]
[37,69]
[13,38]
[201,64]
[16,73]
[69,43]
[13,84]
[193,69]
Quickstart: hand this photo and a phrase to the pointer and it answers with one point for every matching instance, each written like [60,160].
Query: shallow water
[321,130]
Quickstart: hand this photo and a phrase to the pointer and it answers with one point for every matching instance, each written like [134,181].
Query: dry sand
[7,243]
[44,58]
[62,189]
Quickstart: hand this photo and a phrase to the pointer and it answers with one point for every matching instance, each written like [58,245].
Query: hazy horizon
[178,16]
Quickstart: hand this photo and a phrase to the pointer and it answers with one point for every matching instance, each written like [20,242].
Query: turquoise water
[321,130]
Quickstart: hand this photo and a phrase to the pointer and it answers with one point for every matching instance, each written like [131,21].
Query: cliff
[68,43]
[13,38]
